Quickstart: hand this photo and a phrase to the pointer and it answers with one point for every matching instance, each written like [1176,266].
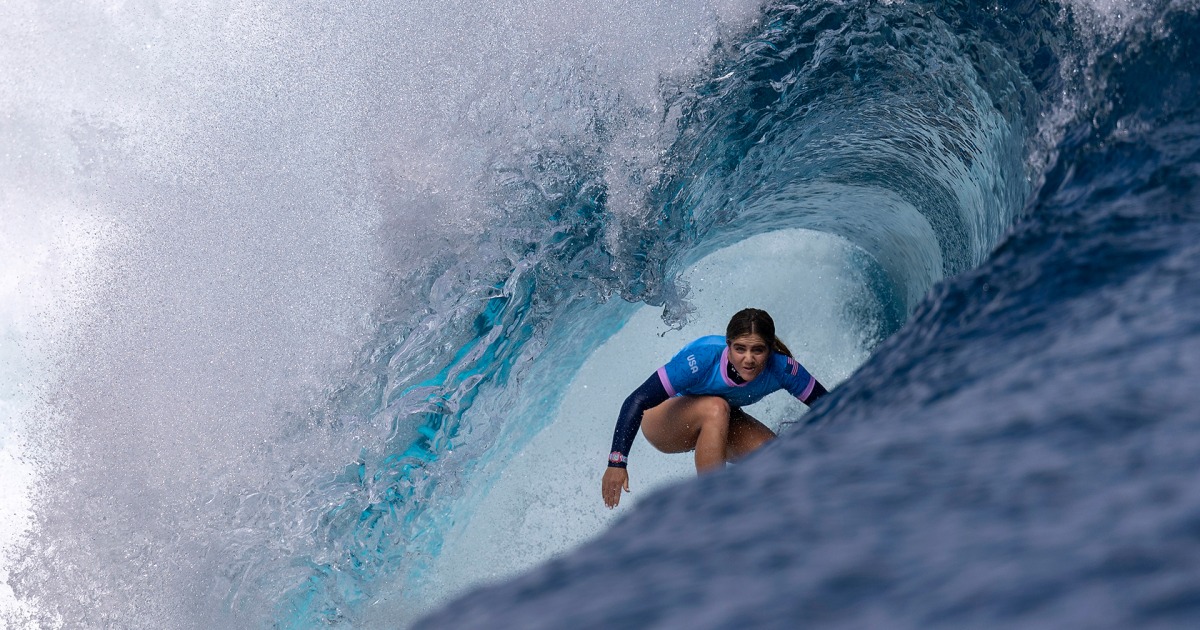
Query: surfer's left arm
[799,383]
[818,391]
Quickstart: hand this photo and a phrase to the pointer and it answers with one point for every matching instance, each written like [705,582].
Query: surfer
[695,401]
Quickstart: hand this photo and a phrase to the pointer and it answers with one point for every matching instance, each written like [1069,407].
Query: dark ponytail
[754,321]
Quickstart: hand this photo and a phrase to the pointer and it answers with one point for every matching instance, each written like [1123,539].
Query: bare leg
[746,435]
[711,452]
[685,423]
[707,425]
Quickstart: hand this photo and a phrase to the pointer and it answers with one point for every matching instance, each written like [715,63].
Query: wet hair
[754,321]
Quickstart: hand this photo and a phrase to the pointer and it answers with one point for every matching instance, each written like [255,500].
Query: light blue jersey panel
[700,370]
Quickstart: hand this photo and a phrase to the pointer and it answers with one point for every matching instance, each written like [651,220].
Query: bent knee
[714,409]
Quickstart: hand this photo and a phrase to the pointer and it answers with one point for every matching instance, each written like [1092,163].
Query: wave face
[1020,453]
[341,262]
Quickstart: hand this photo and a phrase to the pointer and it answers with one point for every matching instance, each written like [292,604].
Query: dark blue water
[1022,450]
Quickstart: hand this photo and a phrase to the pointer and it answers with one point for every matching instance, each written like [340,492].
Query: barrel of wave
[547,499]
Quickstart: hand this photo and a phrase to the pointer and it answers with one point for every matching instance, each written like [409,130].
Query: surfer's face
[748,354]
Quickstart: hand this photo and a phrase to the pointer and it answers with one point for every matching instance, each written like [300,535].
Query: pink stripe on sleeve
[666,382]
[812,382]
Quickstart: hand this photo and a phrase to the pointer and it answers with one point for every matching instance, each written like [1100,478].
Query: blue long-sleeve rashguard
[702,369]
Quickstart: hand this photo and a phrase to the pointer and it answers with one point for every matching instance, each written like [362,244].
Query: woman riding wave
[695,401]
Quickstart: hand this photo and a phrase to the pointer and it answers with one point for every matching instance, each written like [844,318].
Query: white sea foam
[47,264]
[235,189]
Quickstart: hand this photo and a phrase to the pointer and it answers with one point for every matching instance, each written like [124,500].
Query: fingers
[612,494]
[611,486]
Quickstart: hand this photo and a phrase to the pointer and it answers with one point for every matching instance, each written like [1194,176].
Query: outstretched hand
[615,479]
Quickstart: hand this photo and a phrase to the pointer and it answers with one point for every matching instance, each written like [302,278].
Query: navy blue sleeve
[818,391]
[647,396]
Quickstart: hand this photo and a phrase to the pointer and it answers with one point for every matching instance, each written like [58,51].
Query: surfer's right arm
[648,395]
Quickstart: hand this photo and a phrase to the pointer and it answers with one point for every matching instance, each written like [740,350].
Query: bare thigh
[674,426]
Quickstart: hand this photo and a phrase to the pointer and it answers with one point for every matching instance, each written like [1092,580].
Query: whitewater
[320,316]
